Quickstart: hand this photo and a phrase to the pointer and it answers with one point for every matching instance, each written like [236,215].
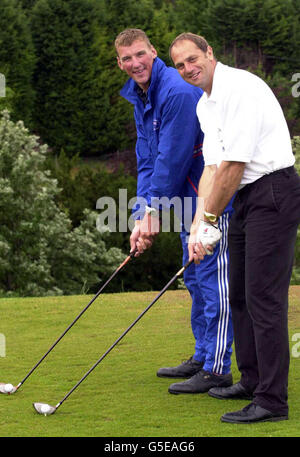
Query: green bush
[40,252]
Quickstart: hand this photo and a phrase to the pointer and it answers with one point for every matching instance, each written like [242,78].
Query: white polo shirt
[243,121]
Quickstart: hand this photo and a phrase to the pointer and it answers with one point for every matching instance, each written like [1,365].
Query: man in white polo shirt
[247,150]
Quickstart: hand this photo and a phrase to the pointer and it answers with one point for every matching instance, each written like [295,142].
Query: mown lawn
[122,397]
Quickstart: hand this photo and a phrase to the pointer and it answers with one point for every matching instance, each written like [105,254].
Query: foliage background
[63,83]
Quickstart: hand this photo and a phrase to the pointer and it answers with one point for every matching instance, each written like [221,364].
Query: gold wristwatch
[211,217]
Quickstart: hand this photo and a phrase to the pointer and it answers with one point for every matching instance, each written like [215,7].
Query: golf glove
[208,234]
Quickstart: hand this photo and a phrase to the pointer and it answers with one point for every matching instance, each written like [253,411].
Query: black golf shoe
[252,413]
[186,369]
[201,382]
[234,392]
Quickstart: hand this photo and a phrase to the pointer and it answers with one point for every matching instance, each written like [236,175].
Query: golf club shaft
[126,331]
[120,267]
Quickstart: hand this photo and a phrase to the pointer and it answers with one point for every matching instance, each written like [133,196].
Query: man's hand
[149,228]
[143,234]
[208,235]
[203,238]
[135,236]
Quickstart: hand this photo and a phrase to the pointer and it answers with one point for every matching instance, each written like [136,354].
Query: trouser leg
[210,314]
[270,211]
[213,277]
[242,323]
[198,323]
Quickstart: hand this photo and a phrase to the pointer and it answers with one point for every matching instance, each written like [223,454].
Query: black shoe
[201,382]
[235,392]
[252,413]
[186,370]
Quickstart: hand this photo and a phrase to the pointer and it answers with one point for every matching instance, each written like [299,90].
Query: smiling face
[194,65]
[137,61]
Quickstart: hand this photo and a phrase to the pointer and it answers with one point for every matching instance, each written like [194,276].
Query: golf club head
[44,408]
[6,388]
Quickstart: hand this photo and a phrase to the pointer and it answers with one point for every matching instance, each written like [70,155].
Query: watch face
[211,217]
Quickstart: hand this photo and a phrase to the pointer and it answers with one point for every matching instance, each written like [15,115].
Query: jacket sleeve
[145,168]
[178,135]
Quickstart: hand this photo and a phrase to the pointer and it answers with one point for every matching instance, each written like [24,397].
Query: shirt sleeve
[242,118]
[231,126]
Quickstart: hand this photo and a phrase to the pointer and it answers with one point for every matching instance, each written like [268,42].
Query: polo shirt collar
[217,83]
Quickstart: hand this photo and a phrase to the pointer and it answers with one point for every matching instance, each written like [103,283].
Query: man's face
[137,60]
[195,66]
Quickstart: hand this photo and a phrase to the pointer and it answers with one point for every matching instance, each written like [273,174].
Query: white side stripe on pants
[224,295]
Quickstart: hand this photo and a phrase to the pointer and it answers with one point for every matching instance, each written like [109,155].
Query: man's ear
[119,63]
[210,53]
[154,52]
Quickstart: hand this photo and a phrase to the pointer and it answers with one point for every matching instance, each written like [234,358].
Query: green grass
[122,397]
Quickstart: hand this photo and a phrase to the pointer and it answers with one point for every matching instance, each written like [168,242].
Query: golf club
[7,388]
[47,410]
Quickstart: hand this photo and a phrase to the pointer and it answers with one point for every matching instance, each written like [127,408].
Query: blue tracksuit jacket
[169,138]
[170,164]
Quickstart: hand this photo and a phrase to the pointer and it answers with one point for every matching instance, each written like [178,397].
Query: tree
[274,26]
[162,30]
[17,59]
[27,5]
[121,14]
[255,32]
[78,107]
[69,109]
[40,253]
[190,15]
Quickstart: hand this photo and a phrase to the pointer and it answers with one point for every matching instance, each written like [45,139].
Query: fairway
[122,397]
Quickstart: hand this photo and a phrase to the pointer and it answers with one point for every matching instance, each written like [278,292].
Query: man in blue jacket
[169,165]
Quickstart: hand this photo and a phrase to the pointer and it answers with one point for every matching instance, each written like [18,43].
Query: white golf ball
[8,388]
[45,409]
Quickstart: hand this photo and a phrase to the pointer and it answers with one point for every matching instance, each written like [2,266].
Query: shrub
[40,252]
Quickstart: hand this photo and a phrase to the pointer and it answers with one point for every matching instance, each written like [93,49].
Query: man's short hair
[199,41]
[128,36]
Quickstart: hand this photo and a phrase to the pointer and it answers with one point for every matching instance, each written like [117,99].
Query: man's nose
[135,62]
[188,67]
